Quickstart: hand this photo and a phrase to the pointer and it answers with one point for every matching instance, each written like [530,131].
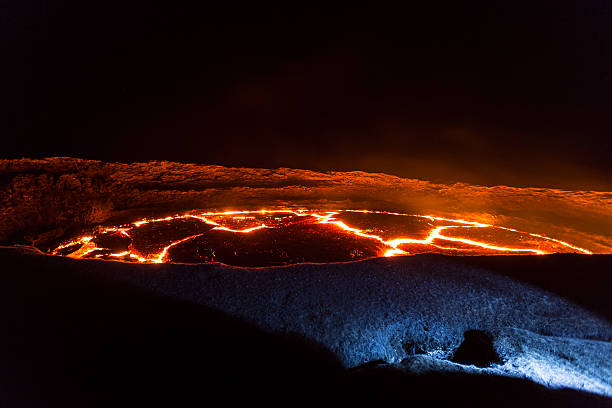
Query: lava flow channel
[281,237]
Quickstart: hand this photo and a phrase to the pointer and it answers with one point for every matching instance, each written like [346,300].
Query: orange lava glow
[444,235]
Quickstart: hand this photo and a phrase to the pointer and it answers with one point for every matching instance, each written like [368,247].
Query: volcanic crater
[218,234]
[282,237]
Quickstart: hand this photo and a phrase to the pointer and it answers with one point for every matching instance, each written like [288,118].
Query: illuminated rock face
[290,236]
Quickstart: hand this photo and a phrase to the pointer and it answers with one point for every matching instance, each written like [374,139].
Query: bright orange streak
[145,221]
[394,252]
[327,219]
[159,258]
[122,231]
[87,246]
[223,228]
[81,240]
[242,230]
[584,251]
[120,254]
[476,224]
[435,234]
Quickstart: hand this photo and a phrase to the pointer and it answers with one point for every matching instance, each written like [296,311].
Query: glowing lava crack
[281,237]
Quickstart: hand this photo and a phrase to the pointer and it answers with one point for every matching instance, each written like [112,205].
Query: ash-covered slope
[408,311]
[43,200]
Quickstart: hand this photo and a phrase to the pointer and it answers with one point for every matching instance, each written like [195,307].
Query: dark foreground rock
[76,334]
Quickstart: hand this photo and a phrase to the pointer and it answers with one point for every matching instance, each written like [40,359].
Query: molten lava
[280,237]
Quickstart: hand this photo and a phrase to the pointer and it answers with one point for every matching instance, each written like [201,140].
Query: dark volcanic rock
[371,364]
[477,349]
[276,246]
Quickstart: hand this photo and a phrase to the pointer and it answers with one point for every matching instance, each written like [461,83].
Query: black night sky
[513,93]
